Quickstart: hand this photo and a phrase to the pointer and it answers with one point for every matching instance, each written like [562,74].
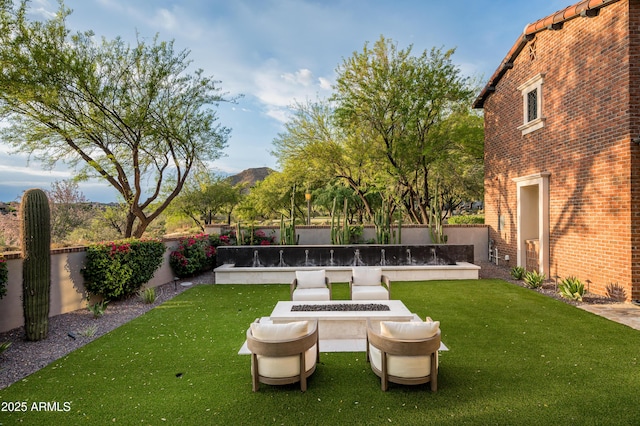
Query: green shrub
[4,276]
[533,279]
[517,272]
[466,219]
[571,288]
[98,308]
[118,269]
[4,346]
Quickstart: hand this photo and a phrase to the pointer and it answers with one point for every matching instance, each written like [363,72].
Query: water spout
[306,258]
[383,260]
[409,261]
[256,259]
[357,260]
[331,261]
[434,256]
[281,264]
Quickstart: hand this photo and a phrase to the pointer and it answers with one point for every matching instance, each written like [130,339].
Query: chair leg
[384,380]
[254,373]
[434,372]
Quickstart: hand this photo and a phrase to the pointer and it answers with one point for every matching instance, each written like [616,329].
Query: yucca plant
[533,279]
[98,308]
[571,288]
[148,295]
[517,272]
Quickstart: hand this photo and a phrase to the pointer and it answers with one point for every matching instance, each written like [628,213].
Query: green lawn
[516,357]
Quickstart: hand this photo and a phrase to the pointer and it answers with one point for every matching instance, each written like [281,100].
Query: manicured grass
[516,357]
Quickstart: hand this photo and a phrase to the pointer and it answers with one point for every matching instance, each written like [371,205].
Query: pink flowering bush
[194,254]
[119,269]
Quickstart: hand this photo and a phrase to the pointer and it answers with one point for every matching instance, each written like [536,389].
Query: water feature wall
[344,255]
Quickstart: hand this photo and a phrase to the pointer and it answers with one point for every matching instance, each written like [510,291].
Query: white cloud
[278,90]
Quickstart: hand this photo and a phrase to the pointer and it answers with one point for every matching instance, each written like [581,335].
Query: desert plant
[466,219]
[90,331]
[98,308]
[4,276]
[4,346]
[533,279]
[517,272]
[571,288]
[118,269]
[35,231]
[148,295]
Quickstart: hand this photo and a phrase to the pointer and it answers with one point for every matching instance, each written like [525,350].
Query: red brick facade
[591,106]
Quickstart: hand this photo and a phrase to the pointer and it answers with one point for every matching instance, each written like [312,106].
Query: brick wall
[585,145]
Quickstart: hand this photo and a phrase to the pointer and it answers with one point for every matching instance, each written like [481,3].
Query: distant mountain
[250,176]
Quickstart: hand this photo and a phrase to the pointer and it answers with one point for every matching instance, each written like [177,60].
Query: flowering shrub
[4,277]
[249,237]
[193,255]
[119,268]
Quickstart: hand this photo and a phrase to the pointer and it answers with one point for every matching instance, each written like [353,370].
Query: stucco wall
[67,284]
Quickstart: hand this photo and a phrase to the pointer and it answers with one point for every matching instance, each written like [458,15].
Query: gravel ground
[24,358]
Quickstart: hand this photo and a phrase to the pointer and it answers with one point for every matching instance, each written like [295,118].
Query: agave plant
[571,288]
[533,279]
[517,272]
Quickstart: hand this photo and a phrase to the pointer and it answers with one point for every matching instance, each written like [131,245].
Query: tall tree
[131,115]
[397,101]
[69,209]
[204,197]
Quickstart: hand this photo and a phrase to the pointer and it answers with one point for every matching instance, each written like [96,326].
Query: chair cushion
[279,332]
[369,292]
[309,294]
[366,276]
[287,366]
[409,330]
[311,279]
[402,366]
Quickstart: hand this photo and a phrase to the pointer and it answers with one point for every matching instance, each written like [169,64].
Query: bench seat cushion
[363,292]
[309,294]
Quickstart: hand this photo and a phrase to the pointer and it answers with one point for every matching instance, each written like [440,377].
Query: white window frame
[534,83]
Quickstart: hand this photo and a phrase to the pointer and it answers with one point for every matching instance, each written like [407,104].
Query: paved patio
[624,313]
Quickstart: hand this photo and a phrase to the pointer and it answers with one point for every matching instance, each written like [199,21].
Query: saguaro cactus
[35,231]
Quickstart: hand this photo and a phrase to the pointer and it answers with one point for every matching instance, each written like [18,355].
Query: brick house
[562,147]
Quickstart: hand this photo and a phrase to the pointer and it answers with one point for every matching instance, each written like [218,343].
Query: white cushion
[402,366]
[311,279]
[369,292]
[279,332]
[309,294]
[288,366]
[409,330]
[366,276]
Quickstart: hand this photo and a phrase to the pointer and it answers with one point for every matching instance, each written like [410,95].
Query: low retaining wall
[67,284]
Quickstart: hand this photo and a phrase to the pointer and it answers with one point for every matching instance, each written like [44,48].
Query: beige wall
[67,285]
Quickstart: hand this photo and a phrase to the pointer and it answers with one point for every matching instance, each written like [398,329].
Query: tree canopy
[399,131]
[130,114]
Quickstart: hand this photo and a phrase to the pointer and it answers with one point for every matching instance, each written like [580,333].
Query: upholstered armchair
[283,353]
[310,285]
[404,352]
[368,283]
